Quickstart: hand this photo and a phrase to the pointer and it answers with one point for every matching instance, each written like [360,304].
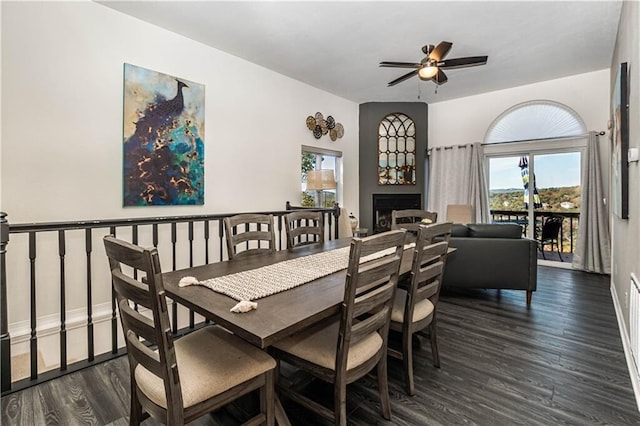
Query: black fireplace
[384,204]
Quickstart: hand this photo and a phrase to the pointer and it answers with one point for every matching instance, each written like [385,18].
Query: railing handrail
[536,213]
[105,223]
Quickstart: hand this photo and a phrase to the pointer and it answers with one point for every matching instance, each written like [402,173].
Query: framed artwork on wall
[163,135]
[620,144]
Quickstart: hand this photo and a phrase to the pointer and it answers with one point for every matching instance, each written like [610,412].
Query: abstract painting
[620,141]
[163,132]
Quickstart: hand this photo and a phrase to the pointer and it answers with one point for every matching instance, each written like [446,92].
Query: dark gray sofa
[494,256]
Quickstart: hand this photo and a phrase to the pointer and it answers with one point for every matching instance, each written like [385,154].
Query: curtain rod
[600,133]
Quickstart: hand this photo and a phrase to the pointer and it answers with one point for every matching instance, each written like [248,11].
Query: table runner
[267,280]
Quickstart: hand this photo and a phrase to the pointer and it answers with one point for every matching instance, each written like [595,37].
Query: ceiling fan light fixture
[427,72]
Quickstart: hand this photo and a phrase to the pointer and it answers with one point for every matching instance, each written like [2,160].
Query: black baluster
[154,230]
[174,306]
[190,231]
[279,218]
[220,236]
[571,232]
[206,249]
[114,314]
[33,340]
[206,242]
[88,245]
[336,214]
[174,237]
[134,241]
[5,338]
[62,250]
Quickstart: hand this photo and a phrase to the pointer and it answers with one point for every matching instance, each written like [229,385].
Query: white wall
[626,233]
[466,120]
[62,117]
[62,95]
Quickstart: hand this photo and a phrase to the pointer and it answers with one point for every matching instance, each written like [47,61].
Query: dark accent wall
[370,116]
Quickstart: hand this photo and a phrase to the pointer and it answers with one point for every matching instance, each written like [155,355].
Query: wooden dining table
[278,315]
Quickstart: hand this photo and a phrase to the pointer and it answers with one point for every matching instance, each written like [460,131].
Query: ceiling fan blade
[440,51]
[471,61]
[400,64]
[440,77]
[402,78]
[427,49]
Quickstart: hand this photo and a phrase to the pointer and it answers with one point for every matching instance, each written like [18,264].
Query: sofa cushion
[458,230]
[494,230]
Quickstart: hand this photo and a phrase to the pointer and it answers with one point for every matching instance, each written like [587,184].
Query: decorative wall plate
[319,126]
[311,122]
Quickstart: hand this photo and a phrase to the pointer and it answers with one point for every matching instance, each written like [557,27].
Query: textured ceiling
[336,46]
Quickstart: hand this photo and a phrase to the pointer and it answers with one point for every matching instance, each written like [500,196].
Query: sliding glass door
[533,188]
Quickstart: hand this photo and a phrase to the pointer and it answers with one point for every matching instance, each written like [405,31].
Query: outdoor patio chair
[550,235]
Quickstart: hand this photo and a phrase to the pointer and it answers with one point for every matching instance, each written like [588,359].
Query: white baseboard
[48,333]
[626,344]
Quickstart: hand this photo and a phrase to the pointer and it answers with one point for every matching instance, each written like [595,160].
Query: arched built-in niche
[397,150]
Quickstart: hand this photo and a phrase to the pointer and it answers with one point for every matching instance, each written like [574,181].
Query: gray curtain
[456,176]
[593,247]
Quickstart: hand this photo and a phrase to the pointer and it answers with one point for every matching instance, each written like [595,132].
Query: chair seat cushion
[319,346]
[210,361]
[422,310]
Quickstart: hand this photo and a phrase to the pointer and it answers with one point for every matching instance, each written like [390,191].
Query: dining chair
[253,231]
[304,227]
[459,213]
[410,219]
[177,381]
[355,342]
[414,309]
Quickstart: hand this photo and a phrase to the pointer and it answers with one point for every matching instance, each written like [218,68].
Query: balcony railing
[568,231]
[56,284]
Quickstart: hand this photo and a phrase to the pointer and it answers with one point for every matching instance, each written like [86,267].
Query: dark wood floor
[559,362]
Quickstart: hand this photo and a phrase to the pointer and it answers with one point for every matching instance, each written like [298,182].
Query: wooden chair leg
[267,396]
[407,361]
[433,338]
[340,403]
[383,387]
[135,413]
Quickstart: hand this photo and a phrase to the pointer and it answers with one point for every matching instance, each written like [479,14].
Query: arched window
[534,120]
[396,150]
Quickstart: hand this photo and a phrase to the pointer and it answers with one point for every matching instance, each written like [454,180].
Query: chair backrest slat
[304,227]
[371,324]
[369,291]
[131,289]
[140,324]
[243,229]
[410,219]
[144,355]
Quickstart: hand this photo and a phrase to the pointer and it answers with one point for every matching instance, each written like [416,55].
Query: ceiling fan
[430,68]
